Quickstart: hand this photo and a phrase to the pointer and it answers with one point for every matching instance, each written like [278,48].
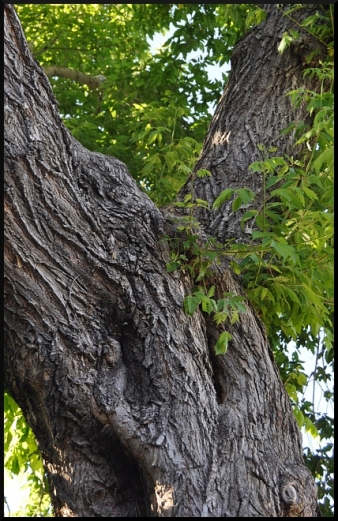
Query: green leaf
[310,193]
[310,427]
[271,181]
[237,302]
[15,467]
[202,203]
[246,195]
[36,463]
[257,234]
[248,215]
[299,416]
[313,297]
[203,172]
[222,305]
[224,196]
[221,346]
[255,17]
[292,391]
[285,250]
[287,194]
[302,379]
[237,203]
[234,317]
[220,317]
[190,304]
[211,292]
[172,266]
[325,158]
[264,293]
[208,305]
[291,294]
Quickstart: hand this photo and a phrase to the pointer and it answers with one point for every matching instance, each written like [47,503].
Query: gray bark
[253,110]
[133,413]
[93,82]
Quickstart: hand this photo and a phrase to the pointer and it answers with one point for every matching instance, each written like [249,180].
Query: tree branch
[93,82]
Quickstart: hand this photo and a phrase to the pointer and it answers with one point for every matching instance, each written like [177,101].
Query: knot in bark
[289,494]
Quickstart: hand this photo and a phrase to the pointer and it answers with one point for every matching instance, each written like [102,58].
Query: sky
[215,72]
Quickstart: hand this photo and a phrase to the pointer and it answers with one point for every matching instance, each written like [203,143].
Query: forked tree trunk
[133,413]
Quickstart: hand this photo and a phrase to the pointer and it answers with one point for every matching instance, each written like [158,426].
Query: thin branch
[93,82]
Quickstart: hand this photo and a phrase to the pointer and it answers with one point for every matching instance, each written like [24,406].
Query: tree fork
[116,381]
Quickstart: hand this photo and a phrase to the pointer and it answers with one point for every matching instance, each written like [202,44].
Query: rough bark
[133,413]
[253,110]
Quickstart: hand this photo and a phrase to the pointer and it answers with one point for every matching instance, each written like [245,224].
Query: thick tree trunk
[133,413]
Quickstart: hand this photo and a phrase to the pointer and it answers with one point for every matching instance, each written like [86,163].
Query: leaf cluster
[222,309]
[22,456]
[190,254]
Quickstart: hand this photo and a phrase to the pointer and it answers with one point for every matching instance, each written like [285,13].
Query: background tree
[160,150]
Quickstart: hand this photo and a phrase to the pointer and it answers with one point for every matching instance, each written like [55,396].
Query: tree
[133,411]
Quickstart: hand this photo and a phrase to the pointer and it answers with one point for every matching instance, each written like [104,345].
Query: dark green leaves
[245,196]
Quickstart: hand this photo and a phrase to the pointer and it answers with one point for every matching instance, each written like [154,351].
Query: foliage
[22,455]
[157,128]
[291,281]
[198,259]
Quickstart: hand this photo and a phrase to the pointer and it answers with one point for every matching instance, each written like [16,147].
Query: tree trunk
[133,413]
